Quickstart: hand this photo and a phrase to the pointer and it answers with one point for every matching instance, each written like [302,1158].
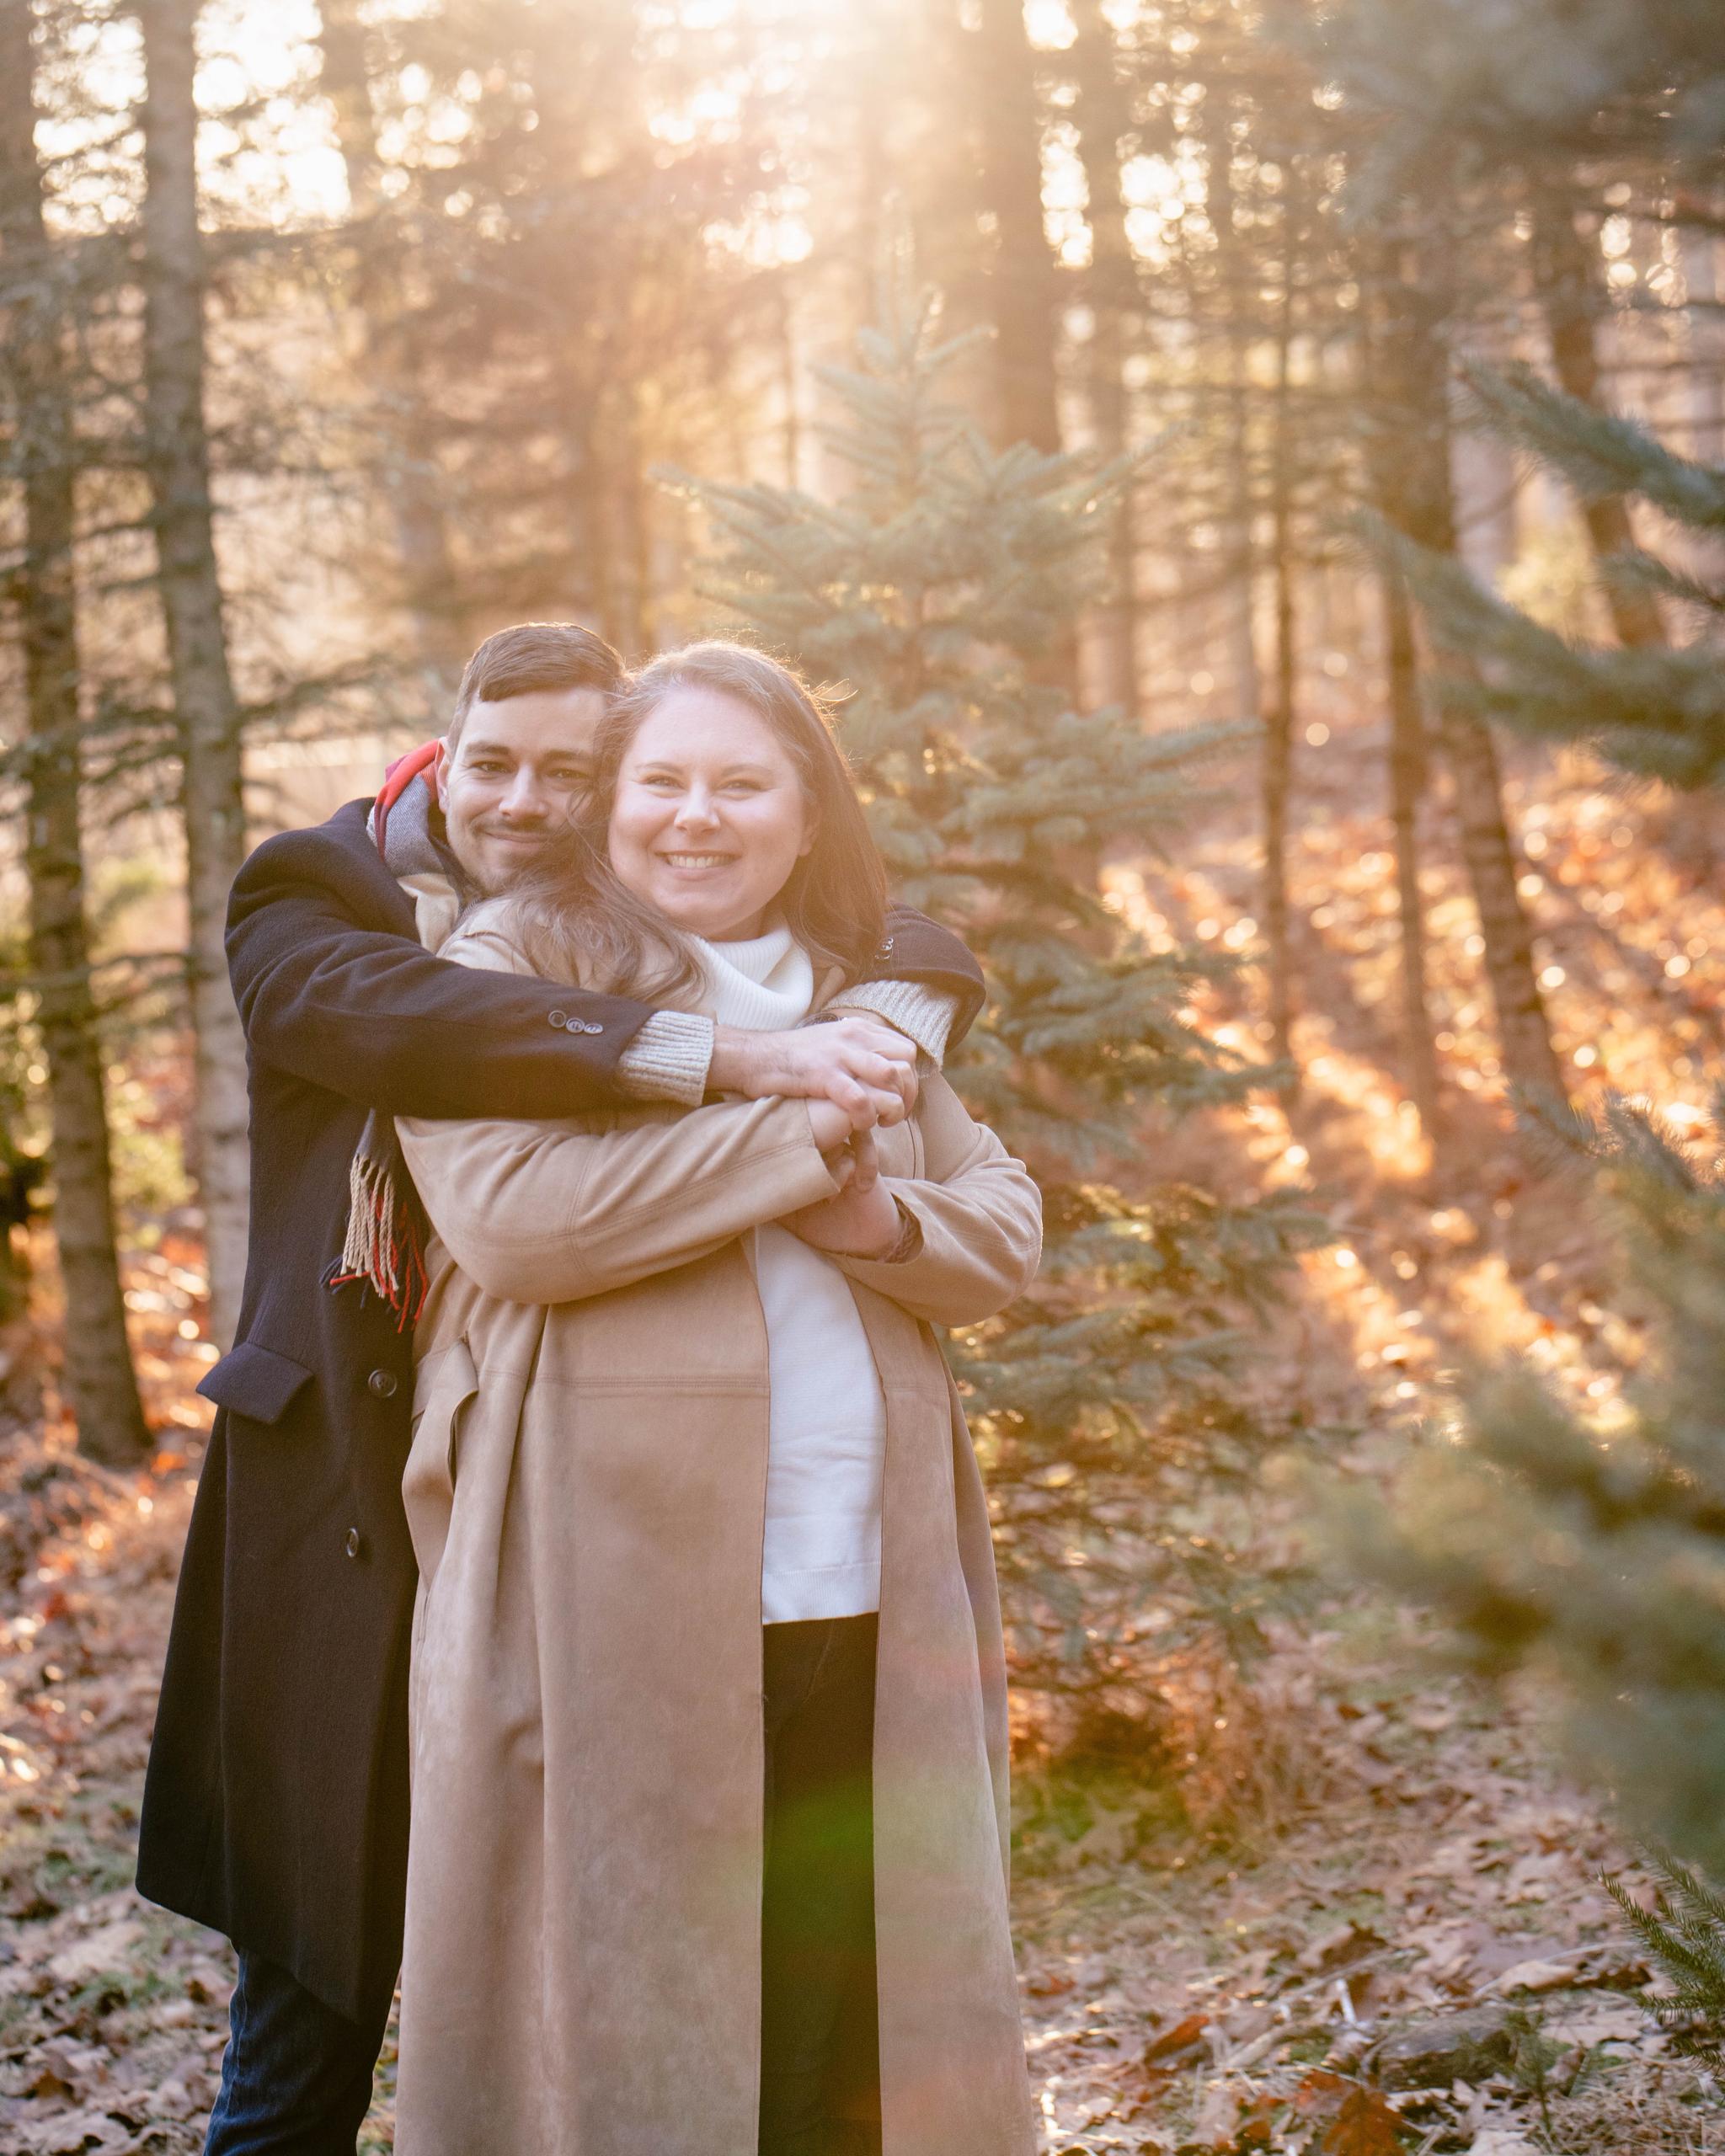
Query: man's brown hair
[530,658]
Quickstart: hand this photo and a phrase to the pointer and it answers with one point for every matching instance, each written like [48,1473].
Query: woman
[677,1383]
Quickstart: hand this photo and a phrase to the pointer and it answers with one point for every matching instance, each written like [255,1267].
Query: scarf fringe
[385,1246]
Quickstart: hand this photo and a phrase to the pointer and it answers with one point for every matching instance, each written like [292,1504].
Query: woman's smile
[710,815]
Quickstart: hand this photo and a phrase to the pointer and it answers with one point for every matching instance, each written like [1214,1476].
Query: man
[276,1808]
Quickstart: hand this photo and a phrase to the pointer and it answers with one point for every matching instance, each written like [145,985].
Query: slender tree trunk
[1704,307]
[580,425]
[1103,120]
[1279,733]
[622,565]
[430,587]
[1239,597]
[873,86]
[1408,775]
[100,1387]
[205,704]
[1407,759]
[1421,502]
[1530,1061]
[1235,277]
[939,176]
[1025,282]
[790,389]
[1567,275]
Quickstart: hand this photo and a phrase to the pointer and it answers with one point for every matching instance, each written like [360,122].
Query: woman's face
[709,818]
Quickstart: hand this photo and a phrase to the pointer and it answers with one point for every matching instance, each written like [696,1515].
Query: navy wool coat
[275,1805]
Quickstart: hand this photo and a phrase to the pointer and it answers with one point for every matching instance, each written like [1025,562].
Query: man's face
[518,772]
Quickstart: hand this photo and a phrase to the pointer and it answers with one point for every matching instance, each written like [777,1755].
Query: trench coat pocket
[443,1385]
[255,1382]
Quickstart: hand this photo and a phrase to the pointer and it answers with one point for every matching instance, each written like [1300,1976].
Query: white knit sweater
[827,1441]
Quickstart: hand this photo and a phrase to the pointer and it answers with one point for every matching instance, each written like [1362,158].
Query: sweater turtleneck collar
[764,983]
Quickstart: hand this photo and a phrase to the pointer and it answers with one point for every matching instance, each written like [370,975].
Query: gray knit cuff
[924,1015]
[668,1058]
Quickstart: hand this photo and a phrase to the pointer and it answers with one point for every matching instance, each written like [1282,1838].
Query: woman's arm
[550,1213]
[978,1217]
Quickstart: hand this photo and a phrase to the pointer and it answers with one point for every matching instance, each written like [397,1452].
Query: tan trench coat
[581,1975]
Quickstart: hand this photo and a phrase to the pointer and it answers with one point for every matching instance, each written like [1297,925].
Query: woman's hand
[832,1130]
[863,1220]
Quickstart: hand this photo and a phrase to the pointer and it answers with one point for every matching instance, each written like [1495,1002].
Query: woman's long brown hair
[576,921]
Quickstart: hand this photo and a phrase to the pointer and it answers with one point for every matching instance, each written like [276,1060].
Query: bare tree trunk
[205,704]
[1025,282]
[1416,483]
[100,1386]
[940,188]
[1103,120]
[1240,595]
[1530,1061]
[874,85]
[1408,775]
[790,389]
[1236,276]
[1279,732]
[1408,761]
[431,586]
[622,567]
[1704,303]
[1566,275]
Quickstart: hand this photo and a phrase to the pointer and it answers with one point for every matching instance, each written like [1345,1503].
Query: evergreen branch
[1599,453]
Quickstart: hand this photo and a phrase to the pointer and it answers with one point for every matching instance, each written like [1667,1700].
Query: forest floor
[1398,1941]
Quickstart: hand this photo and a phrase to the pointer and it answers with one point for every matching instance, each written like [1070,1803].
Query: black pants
[819,2053]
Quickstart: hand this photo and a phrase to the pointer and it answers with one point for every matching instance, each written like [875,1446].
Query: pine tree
[1685,1934]
[206,708]
[1592,1551]
[1514,82]
[100,1385]
[933,590]
[1657,711]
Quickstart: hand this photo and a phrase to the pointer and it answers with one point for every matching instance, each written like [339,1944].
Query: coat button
[356,1542]
[382,1382]
[560,1018]
[584,1026]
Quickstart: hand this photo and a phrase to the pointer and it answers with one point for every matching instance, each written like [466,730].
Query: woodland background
[1269,536]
